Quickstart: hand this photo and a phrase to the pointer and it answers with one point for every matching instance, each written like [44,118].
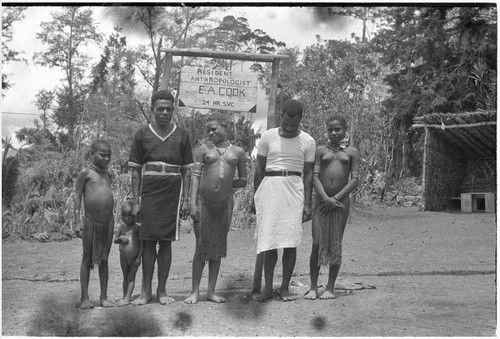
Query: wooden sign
[218,89]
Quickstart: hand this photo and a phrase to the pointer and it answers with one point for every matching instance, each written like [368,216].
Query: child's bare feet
[123,302]
[286,296]
[215,298]
[311,295]
[142,300]
[327,295]
[263,296]
[192,299]
[164,299]
[85,305]
[107,303]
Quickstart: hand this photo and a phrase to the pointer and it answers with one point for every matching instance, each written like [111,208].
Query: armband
[196,174]
[197,166]
[317,169]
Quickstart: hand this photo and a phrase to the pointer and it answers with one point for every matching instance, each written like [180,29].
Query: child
[127,235]
[94,184]
[333,164]
[212,179]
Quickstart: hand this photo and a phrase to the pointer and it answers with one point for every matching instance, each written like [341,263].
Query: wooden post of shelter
[272,93]
[274,58]
[165,80]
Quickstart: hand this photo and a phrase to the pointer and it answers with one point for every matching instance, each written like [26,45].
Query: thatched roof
[473,132]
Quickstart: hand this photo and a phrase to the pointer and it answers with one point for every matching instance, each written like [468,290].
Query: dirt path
[405,273]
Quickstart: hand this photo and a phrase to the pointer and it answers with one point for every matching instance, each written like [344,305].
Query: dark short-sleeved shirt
[174,149]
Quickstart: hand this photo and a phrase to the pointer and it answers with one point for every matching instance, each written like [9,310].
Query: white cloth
[279,202]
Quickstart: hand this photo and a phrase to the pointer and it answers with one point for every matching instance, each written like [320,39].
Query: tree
[10,15]
[66,35]
[44,101]
[165,27]
[111,109]
[442,59]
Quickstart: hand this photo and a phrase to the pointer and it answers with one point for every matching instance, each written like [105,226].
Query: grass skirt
[331,231]
[215,219]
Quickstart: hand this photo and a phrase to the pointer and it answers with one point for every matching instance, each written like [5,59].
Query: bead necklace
[222,160]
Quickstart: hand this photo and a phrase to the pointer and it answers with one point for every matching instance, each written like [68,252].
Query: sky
[296,26]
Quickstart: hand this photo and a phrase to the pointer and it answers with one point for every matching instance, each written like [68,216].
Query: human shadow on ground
[239,302]
[54,316]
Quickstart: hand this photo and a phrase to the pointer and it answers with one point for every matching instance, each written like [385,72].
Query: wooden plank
[489,202]
[425,170]
[486,123]
[466,202]
[203,53]
[272,93]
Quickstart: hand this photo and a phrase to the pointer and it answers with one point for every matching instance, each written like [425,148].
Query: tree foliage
[443,59]
[10,15]
[66,35]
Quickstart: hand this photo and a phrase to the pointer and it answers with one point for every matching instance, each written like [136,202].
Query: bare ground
[404,273]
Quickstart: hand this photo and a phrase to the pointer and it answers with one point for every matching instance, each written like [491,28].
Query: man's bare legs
[257,274]
[103,280]
[270,259]
[164,262]
[148,267]
[288,261]
[197,271]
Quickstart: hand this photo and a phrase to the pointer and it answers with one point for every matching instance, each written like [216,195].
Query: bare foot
[311,295]
[215,298]
[286,296]
[164,299]
[327,295]
[107,303]
[265,295]
[142,300]
[192,299]
[85,305]
[123,302]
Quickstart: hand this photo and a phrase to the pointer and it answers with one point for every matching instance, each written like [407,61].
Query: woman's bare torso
[212,187]
[335,169]
[98,197]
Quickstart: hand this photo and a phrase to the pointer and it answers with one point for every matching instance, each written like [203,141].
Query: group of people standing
[169,184]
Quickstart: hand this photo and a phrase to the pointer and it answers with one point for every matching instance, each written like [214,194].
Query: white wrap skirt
[279,202]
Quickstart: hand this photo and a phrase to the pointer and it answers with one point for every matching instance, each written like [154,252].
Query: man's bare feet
[215,298]
[107,303]
[192,299]
[311,295]
[263,296]
[327,295]
[286,296]
[164,299]
[123,302]
[142,300]
[85,305]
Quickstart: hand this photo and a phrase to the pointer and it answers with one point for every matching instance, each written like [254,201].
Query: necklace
[333,148]
[222,160]
[97,169]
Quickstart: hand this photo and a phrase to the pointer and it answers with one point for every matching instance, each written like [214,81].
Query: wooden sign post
[165,82]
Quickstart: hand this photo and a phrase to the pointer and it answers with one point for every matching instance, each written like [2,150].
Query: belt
[162,168]
[281,173]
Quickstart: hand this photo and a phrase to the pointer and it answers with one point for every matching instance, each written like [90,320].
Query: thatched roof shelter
[459,155]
